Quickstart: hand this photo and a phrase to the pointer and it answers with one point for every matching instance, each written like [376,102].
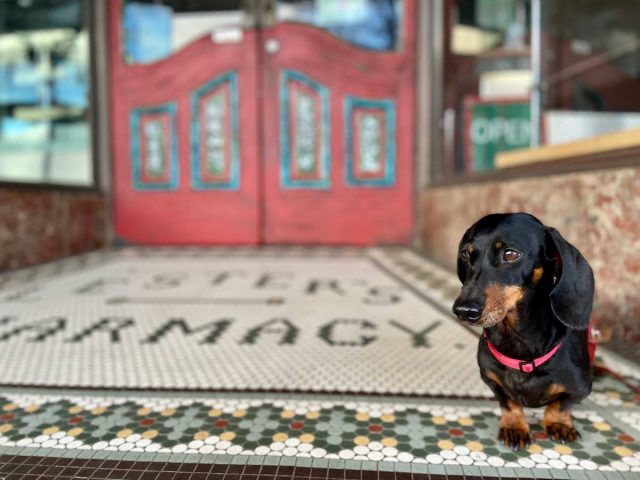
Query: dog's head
[506,261]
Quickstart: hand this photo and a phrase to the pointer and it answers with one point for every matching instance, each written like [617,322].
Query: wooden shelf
[609,142]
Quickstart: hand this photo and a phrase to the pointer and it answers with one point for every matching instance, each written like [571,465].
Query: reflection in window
[593,76]
[590,69]
[154,29]
[44,92]
[372,24]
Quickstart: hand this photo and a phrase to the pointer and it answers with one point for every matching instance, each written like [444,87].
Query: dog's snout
[468,312]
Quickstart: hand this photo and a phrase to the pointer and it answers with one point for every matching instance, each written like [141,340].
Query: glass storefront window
[590,68]
[372,24]
[44,92]
[486,83]
[589,77]
[155,29]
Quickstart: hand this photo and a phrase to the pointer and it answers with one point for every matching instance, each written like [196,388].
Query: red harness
[528,366]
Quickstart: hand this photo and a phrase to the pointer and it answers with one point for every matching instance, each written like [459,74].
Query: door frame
[101,102]
[429,64]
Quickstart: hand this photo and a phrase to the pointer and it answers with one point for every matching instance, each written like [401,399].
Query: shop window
[591,68]
[155,29]
[588,64]
[372,24]
[44,92]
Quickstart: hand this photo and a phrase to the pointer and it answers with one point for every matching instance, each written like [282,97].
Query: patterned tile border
[311,427]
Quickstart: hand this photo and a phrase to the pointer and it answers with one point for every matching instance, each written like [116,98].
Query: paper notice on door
[227,35]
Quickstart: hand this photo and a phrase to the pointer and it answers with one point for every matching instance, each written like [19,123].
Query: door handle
[272,46]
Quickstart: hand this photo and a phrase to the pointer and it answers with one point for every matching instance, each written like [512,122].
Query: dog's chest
[532,390]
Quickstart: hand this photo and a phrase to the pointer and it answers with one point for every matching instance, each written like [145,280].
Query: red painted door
[184,131]
[339,136]
[285,134]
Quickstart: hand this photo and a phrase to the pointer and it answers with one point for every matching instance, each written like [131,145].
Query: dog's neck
[528,333]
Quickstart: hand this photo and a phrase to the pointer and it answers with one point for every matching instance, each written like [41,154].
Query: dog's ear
[572,295]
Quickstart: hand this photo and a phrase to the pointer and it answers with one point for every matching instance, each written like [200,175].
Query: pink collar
[522,365]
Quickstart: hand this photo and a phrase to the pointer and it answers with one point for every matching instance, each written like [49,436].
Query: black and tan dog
[531,291]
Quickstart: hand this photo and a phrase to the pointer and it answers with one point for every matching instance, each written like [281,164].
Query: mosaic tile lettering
[327,323]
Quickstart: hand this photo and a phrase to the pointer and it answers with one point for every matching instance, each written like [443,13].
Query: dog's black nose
[469,312]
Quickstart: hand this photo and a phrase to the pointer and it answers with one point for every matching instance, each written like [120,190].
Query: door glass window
[154,29]
[44,92]
[372,24]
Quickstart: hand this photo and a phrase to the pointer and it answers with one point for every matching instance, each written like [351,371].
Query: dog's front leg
[558,422]
[514,429]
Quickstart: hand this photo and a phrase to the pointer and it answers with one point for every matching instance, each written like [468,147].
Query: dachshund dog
[531,291]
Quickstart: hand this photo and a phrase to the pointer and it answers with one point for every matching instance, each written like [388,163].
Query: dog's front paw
[516,438]
[562,433]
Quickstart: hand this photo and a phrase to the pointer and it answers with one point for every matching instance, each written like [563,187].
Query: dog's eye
[510,255]
[464,255]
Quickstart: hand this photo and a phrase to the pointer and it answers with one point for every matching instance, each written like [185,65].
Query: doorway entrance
[288,122]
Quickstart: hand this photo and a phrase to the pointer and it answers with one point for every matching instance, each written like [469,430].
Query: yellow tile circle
[602,426]
[535,449]
[75,410]
[215,412]
[280,437]
[143,412]
[307,438]
[623,451]
[74,432]
[388,418]
[99,410]
[389,442]
[438,420]
[313,415]
[124,433]
[563,449]
[150,434]
[31,408]
[475,446]
[50,430]
[465,421]
[288,414]
[239,413]
[8,407]
[167,412]
[361,440]
[446,445]
[228,436]
[362,417]
[5,427]
[201,435]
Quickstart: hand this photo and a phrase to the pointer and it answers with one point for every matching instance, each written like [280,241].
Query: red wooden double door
[278,134]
